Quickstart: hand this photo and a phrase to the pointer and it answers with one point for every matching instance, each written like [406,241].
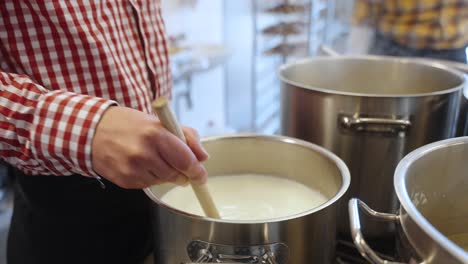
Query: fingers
[181,180]
[137,180]
[193,141]
[164,172]
[160,168]
[178,155]
[155,179]
[134,151]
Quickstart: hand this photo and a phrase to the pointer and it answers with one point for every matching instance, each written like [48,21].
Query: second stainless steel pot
[370,111]
[462,125]
[304,238]
[432,186]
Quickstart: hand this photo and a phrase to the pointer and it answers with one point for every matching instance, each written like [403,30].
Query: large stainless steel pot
[463,119]
[462,126]
[432,186]
[296,239]
[370,111]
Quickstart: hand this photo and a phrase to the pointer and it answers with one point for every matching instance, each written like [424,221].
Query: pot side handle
[354,205]
[374,124]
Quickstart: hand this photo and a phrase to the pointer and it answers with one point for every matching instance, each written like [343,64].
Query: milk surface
[249,197]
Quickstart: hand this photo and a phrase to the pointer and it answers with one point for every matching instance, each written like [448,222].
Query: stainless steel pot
[462,125]
[432,186]
[297,239]
[370,111]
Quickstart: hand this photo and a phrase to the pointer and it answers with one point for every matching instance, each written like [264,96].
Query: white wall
[201,25]
[239,34]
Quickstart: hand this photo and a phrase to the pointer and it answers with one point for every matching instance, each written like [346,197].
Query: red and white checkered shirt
[62,63]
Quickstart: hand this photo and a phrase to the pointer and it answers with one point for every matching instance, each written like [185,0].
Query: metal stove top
[346,252]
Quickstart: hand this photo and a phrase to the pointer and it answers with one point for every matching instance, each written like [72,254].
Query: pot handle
[353,207]
[229,259]
[207,252]
[374,124]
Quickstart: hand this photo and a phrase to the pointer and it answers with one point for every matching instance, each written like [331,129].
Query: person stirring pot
[76,83]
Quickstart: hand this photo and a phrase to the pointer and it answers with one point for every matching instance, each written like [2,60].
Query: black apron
[72,219]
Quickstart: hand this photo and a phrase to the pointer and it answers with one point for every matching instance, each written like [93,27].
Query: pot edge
[340,165]
[410,208]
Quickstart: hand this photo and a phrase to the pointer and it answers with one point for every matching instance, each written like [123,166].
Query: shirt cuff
[63,129]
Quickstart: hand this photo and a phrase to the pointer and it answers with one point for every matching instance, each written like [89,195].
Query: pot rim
[410,208]
[341,166]
[428,63]
[461,67]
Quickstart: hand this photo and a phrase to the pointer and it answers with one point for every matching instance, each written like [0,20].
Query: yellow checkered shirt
[430,24]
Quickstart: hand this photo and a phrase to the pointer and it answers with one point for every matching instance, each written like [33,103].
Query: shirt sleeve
[47,132]
[366,12]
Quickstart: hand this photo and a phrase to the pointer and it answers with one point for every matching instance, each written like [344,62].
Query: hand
[133,150]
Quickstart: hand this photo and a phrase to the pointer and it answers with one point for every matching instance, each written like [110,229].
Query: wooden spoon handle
[167,117]
[169,121]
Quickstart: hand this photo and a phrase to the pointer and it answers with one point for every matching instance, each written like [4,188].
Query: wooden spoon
[169,121]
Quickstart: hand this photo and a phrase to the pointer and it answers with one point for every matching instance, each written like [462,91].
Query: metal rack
[301,27]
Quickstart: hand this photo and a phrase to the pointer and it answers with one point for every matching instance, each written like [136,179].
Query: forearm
[47,132]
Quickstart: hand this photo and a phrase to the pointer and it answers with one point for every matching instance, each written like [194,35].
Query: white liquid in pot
[249,197]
